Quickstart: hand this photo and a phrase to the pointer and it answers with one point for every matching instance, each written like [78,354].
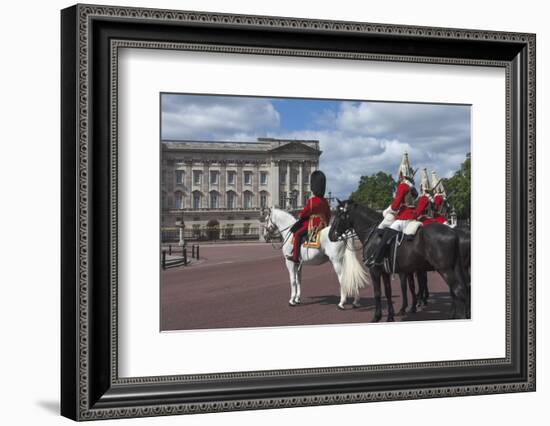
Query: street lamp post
[330,199]
[181,225]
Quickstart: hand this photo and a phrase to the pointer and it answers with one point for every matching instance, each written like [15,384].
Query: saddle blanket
[412,227]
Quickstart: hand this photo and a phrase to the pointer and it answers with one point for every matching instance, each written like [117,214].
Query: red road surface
[247,285]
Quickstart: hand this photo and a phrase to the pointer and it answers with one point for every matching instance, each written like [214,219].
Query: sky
[357,137]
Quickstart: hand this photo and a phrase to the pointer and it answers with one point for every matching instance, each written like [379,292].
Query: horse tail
[354,276]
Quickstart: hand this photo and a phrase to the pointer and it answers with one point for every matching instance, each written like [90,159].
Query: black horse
[421,297]
[434,247]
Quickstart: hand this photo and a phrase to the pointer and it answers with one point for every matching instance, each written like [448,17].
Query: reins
[280,234]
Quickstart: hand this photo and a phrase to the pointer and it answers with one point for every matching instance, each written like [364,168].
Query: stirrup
[387,266]
[371,261]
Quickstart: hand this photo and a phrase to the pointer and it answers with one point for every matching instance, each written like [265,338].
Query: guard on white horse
[351,275]
[314,216]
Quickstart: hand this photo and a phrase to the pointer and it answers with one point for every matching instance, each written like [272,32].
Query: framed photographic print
[263,212]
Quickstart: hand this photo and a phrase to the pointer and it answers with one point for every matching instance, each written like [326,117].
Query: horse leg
[338,269]
[405,301]
[377,298]
[410,279]
[356,303]
[291,266]
[387,291]
[298,284]
[458,293]
[422,295]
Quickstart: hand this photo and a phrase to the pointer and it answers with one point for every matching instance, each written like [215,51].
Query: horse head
[270,228]
[342,222]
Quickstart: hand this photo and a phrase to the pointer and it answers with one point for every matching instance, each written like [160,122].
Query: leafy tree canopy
[375,191]
[458,187]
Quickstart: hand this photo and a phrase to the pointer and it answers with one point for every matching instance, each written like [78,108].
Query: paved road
[247,285]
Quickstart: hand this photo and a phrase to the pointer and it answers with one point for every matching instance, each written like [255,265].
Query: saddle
[313,239]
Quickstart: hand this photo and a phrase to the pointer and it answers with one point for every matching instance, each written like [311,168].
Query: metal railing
[211,233]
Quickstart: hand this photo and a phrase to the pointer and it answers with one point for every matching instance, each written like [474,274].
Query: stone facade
[219,188]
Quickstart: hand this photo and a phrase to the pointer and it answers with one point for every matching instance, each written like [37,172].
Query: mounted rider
[316,213]
[440,200]
[424,209]
[400,212]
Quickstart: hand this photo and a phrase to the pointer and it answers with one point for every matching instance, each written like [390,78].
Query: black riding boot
[377,257]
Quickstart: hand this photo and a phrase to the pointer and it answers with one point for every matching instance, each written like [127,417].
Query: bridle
[274,232]
[349,234]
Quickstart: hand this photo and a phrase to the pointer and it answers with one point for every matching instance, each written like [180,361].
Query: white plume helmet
[437,184]
[405,169]
[424,182]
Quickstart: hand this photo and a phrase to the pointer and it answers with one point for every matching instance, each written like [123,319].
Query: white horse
[351,275]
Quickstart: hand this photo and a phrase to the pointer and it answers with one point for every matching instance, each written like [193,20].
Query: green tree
[458,189]
[375,191]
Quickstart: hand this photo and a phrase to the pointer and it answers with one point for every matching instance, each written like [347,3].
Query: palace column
[188,183]
[256,184]
[205,184]
[240,177]
[288,206]
[222,183]
[300,183]
[274,183]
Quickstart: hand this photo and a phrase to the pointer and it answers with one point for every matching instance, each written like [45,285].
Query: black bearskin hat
[318,183]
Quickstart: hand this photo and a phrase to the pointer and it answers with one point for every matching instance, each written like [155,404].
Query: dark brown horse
[434,247]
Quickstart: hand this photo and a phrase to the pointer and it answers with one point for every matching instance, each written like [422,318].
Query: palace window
[282,199]
[248,196]
[196,200]
[214,200]
[263,199]
[180,177]
[231,177]
[214,177]
[231,200]
[197,177]
[248,178]
[263,178]
[294,177]
[178,197]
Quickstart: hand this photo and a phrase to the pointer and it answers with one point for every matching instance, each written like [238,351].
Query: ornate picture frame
[91,386]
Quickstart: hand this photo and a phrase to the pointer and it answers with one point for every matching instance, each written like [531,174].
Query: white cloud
[358,138]
[206,117]
[364,138]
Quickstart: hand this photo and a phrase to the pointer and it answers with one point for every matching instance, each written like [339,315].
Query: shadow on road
[439,305]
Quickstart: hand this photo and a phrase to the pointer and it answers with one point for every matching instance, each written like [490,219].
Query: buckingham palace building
[217,189]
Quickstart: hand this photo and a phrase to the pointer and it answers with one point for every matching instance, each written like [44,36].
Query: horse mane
[284,214]
[368,214]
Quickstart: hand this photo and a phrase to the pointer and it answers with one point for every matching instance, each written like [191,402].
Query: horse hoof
[401,312]
[354,306]
[341,308]
[376,318]
[412,310]
[391,319]
[291,304]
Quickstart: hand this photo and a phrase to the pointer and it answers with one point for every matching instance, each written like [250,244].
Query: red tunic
[404,212]
[315,206]
[438,201]
[420,212]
